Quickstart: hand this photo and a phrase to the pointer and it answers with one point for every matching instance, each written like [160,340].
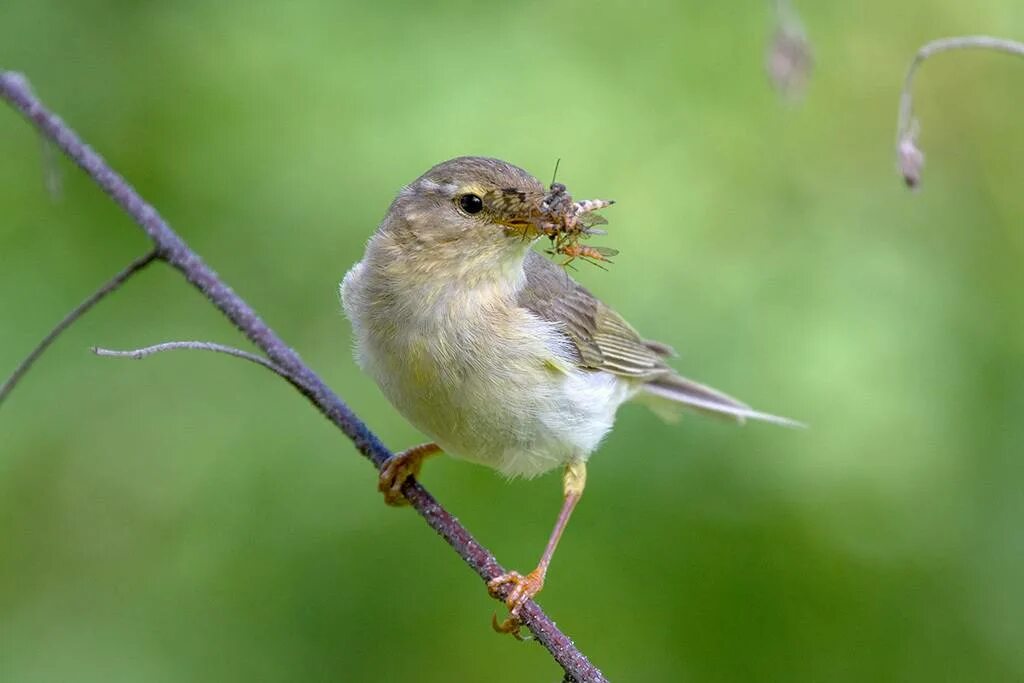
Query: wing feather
[603,339]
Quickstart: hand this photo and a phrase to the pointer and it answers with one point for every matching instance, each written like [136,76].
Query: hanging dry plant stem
[909,158]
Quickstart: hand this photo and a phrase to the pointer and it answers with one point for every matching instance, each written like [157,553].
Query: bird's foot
[523,590]
[400,467]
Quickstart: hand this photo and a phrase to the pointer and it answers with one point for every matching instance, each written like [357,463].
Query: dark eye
[471,203]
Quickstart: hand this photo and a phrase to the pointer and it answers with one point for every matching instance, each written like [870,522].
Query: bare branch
[80,310]
[909,158]
[138,354]
[171,248]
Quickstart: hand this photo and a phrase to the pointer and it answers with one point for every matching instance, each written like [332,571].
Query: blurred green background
[190,518]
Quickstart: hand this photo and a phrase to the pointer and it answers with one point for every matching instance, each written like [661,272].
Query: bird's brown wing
[603,340]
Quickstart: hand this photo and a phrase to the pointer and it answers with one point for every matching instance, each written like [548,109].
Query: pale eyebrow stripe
[434,186]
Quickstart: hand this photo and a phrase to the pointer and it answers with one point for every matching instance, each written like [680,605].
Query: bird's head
[467,213]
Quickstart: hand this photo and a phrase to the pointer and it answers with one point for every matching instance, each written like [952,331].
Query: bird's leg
[525,587]
[400,467]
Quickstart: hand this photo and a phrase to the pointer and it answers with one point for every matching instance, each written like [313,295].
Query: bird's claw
[523,590]
[392,475]
[400,467]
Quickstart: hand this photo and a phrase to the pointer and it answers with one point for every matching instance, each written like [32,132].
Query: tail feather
[707,400]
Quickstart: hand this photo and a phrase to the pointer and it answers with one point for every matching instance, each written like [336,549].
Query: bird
[492,350]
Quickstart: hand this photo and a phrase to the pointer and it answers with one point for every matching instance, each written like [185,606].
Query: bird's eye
[471,203]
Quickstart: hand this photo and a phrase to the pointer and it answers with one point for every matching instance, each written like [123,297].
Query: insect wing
[507,202]
[605,251]
[589,220]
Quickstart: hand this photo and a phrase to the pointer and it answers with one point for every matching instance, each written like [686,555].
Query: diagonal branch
[79,310]
[910,159]
[171,248]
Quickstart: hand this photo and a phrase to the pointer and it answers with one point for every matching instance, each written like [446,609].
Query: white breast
[490,384]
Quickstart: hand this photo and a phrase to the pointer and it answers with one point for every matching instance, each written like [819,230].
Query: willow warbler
[491,349]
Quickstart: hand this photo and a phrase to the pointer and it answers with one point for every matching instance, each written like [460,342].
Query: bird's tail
[671,390]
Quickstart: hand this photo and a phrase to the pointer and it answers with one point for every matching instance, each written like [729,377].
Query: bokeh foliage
[190,518]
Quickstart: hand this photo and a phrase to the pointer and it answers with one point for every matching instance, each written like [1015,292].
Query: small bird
[491,349]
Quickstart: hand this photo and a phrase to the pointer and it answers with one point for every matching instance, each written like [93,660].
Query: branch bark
[169,247]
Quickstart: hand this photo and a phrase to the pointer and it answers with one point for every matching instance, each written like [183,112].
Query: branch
[909,158]
[80,310]
[138,354]
[171,248]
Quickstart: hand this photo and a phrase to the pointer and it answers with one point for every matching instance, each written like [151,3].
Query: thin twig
[146,351]
[80,310]
[171,248]
[910,159]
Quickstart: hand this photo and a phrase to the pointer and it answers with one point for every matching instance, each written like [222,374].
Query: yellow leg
[574,480]
[400,467]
